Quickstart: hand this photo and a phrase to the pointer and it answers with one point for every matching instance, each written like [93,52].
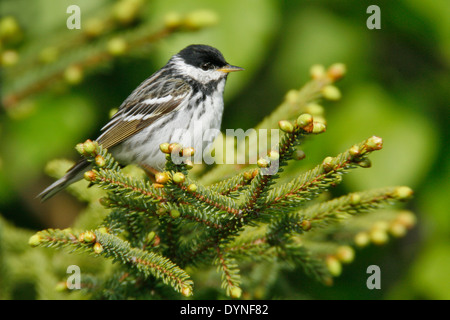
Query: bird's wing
[153,99]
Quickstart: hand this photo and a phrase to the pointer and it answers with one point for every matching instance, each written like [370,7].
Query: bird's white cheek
[198,74]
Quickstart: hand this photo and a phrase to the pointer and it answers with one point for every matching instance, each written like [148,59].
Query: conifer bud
[188,152]
[89,147]
[380,225]
[174,213]
[103,230]
[263,163]
[35,240]
[186,291]
[273,155]
[305,121]
[192,188]
[331,92]
[126,11]
[73,74]
[80,148]
[317,71]
[378,236]
[374,143]
[298,154]
[94,27]
[406,218]
[355,199]
[9,58]
[8,27]
[90,176]
[397,229]
[286,126]
[117,46]
[327,164]
[100,161]
[178,177]
[161,211]
[336,71]
[235,292]
[319,127]
[98,248]
[354,151]
[175,148]
[306,225]
[61,286]
[201,18]
[173,20]
[334,266]
[247,176]
[362,239]
[403,193]
[365,163]
[378,232]
[189,164]
[164,147]
[87,237]
[157,185]
[162,177]
[150,237]
[345,254]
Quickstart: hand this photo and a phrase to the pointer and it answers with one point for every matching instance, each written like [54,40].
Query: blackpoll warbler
[181,103]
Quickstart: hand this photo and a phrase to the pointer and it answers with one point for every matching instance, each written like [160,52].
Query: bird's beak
[229,68]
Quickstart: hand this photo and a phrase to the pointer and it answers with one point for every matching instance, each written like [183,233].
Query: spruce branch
[105,172]
[308,185]
[233,186]
[230,274]
[276,160]
[253,247]
[147,263]
[57,238]
[102,41]
[343,207]
[156,230]
[209,201]
[312,265]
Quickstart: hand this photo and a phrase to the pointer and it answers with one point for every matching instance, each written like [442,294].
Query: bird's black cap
[198,54]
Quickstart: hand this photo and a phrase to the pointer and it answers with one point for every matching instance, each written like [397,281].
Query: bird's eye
[206,66]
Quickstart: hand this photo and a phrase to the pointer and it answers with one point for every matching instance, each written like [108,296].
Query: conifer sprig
[101,41]
[147,263]
[157,229]
[343,207]
[327,174]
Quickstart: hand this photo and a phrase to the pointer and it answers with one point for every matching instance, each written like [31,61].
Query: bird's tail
[73,175]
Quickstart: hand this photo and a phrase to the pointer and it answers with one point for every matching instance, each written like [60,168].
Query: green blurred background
[397,87]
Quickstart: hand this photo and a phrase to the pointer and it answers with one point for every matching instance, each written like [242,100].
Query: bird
[180,103]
